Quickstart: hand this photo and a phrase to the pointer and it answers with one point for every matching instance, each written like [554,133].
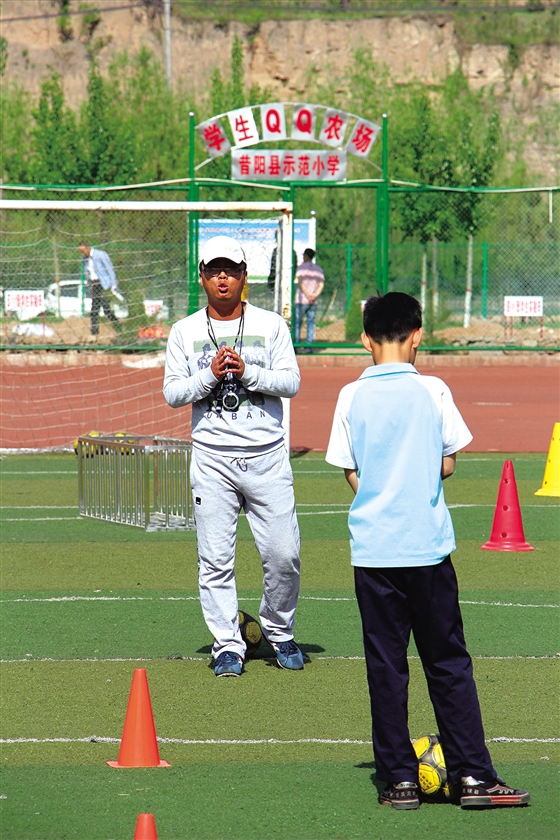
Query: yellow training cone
[551,480]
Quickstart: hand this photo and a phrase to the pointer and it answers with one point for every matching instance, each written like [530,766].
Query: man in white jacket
[101,278]
[239,458]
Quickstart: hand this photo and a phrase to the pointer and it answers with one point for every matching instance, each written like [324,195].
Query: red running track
[509,408]
[49,407]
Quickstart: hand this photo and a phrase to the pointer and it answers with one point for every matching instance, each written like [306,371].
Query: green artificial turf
[78,700]
[86,602]
[276,801]
[161,624]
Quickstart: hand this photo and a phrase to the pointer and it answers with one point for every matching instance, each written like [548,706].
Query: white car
[71,297]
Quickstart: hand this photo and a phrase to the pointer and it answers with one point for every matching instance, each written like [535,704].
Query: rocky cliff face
[282,55]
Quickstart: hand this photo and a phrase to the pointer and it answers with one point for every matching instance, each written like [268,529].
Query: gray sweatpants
[261,485]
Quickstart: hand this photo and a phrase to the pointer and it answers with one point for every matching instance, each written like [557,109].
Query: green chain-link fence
[460,257]
[45,289]
[460,253]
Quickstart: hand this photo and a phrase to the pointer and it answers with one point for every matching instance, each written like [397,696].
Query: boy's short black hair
[391,317]
[309,253]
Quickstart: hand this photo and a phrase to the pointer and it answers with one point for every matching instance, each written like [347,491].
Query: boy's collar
[390,367]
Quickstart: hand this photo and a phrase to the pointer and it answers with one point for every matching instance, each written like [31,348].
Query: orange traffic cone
[551,480]
[145,827]
[507,527]
[139,743]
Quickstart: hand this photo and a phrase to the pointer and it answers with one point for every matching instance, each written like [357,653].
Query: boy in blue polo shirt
[396,434]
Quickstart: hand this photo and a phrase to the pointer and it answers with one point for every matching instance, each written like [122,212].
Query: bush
[354,324]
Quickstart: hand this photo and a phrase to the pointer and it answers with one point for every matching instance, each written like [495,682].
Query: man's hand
[225,361]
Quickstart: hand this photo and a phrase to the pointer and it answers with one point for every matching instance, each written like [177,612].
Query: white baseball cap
[222,247]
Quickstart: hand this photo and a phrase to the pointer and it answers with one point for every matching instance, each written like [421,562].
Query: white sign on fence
[528,306]
[25,303]
[258,238]
[275,126]
[288,165]
[152,307]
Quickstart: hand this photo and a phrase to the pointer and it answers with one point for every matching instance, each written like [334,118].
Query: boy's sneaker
[228,664]
[476,794]
[402,795]
[288,655]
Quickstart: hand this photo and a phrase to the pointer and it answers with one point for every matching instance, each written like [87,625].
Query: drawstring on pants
[241,463]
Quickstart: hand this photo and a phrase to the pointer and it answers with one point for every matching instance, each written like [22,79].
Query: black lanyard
[239,335]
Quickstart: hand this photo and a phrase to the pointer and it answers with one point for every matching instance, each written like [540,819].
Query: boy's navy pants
[424,599]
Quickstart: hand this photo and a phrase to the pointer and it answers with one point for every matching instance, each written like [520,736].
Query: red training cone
[145,827]
[507,527]
[139,743]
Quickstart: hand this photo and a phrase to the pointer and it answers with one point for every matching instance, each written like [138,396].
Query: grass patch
[327,801]
[131,601]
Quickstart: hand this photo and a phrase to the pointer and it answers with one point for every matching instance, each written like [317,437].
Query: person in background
[272,272]
[101,278]
[311,280]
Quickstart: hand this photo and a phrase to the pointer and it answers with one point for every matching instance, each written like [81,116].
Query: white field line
[347,508]
[328,469]
[507,604]
[414,656]
[324,471]
[411,657]
[449,505]
[461,461]
[75,507]
[344,505]
[335,508]
[70,598]
[318,472]
[539,457]
[39,472]
[42,519]
[97,739]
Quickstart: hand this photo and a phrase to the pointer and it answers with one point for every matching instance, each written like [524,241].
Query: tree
[150,117]
[452,140]
[446,137]
[477,151]
[58,151]
[226,96]
[16,123]
[423,156]
[237,83]
[107,137]
[3,55]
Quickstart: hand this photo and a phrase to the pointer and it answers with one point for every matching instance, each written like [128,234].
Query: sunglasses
[230,271]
